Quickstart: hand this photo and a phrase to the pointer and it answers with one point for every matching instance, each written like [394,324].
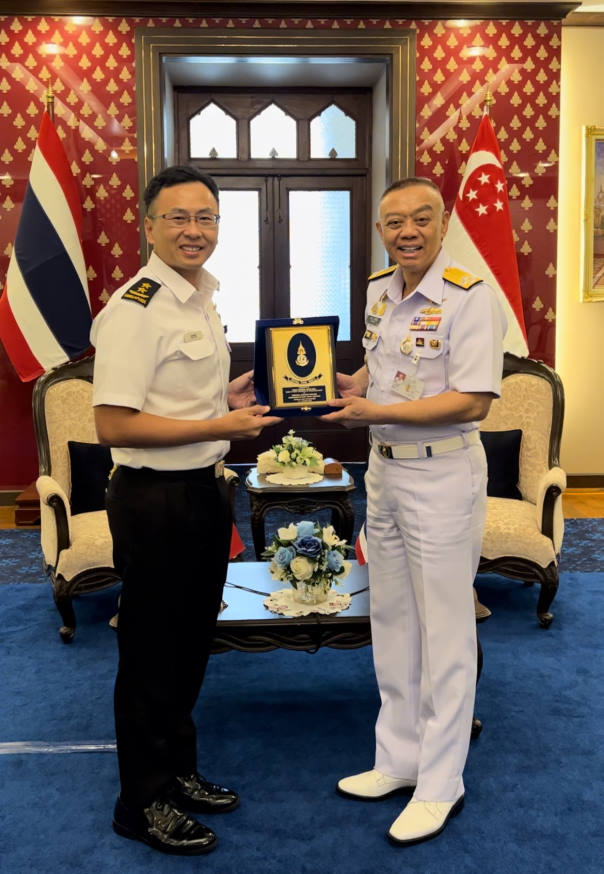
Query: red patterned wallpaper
[90,65]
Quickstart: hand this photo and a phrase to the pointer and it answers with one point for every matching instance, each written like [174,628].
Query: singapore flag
[480,236]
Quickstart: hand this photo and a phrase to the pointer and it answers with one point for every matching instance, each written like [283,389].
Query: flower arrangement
[292,454]
[309,554]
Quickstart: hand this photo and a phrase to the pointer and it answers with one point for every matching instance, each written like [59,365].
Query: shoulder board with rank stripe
[384,272]
[457,276]
[142,291]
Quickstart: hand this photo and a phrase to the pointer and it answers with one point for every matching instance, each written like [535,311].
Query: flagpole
[50,103]
[489,100]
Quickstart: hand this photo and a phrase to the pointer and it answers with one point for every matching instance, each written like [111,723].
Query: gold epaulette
[461,278]
[384,272]
[142,291]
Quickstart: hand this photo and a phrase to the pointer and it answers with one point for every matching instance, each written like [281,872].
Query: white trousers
[425,520]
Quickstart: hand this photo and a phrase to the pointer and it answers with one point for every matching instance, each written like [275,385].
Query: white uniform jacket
[447,334]
[161,348]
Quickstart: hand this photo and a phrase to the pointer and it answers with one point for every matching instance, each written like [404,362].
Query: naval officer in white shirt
[434,355]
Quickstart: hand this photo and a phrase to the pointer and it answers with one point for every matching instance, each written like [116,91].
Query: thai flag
[360,547]
[45,313]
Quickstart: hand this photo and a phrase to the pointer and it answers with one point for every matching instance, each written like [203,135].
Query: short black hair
[176,175]
[409,182]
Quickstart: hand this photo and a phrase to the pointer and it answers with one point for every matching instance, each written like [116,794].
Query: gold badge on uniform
[379,308]
[435,343]
[407,346]
[420,341]
[431,311]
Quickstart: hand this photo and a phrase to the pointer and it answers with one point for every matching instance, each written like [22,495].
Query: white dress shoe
[372,785]
[422,820]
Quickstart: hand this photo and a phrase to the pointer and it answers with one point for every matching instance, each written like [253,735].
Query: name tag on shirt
[191,336]
[408,386]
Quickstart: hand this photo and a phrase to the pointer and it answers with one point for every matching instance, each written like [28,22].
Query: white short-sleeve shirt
[447,336]
[163,352]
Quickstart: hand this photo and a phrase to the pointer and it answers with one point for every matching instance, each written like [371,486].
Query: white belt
[427,450]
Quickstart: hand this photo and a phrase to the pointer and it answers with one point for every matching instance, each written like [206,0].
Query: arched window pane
[333,130]
[238,300]
[273,134]
[319,227]
[213,134]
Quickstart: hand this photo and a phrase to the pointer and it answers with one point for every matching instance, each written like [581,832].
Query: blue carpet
[282,727]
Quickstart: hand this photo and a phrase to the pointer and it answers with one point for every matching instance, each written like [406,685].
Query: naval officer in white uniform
[434,357]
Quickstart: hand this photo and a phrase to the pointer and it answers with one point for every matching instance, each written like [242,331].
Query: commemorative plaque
[294,365]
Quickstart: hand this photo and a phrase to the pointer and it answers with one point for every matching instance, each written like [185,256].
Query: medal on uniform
[379,308]
[407,346]
[435,343]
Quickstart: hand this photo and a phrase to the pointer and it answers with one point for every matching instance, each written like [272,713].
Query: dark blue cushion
[502,449]
[90,467]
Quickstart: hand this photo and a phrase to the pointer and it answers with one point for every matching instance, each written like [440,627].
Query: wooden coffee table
[248,626]
[332,493]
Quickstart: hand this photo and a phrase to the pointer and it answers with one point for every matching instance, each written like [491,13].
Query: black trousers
[171,536]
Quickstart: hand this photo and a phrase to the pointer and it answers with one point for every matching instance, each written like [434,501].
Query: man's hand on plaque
[354,412]
[241,391]
[245,423]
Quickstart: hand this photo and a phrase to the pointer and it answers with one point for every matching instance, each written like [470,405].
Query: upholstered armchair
[76,542]
[74,469]
[525,522]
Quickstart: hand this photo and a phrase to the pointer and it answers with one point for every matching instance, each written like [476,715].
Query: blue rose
[284,555]
[306,529]
[308,546]
[334,560]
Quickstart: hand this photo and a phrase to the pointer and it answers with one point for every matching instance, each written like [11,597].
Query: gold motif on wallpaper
[91,67]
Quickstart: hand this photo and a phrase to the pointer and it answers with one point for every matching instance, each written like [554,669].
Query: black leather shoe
[164,827]
[197,795]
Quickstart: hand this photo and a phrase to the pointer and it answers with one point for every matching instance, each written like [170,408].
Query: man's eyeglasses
[182,219]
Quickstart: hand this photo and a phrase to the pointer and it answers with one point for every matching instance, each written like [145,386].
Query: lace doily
[282,601]
[281,479]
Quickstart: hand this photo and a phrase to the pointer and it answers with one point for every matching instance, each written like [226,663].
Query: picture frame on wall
[592,281]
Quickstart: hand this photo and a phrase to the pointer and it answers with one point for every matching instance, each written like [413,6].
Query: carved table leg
[258,509]
[342,518]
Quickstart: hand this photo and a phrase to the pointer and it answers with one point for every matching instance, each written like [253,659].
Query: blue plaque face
[301,354]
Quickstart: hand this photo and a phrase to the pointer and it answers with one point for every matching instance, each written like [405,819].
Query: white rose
[283,456]
[289,533]
[301,567]
[329,536]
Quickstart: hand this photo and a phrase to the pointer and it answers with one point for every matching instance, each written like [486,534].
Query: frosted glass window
[319,228]
[333,134]
[273,134]
[236,264]
[213,134]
